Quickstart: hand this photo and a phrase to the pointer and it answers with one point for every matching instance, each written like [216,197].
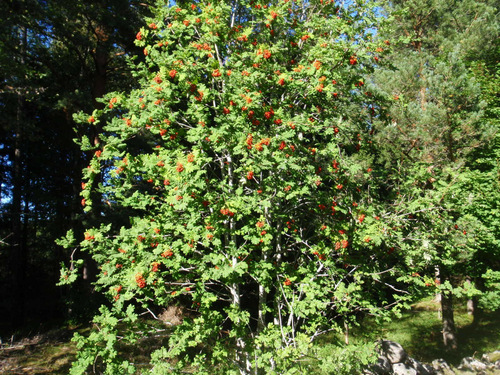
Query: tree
[436,127]
[483,186]
[241,181]
[48,54]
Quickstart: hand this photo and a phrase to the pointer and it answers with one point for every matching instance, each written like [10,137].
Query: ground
[48,353]
[418,331]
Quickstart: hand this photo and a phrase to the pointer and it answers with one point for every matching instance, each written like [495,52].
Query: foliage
[440,125]
[241,182]
[55,57]
[280,173]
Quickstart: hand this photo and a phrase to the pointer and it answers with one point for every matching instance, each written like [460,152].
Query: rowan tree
[241,174]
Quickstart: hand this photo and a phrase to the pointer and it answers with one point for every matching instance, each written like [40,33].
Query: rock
[441,367]
[494,356]
[422,369]
[393,351]
[485,358]
[393,360]
[402,369]
[472,364]
[429,370]
[382,367]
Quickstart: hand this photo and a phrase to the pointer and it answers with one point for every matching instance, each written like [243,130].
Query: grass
[418,331]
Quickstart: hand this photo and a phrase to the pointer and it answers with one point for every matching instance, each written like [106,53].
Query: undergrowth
[418,331]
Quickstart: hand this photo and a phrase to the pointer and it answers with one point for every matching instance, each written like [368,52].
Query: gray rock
[422,369]
[402,369]
[441,367]
[429,370]
[393,360]
[393,351]
[382,367]
[472,364]
[485,359]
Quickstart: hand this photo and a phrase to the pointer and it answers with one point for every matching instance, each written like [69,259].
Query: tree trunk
[346,332]
[449,331]
[242,357]
[470,307]
[477,312]
[18,248]
[101,60]
[261,315]
[470,301]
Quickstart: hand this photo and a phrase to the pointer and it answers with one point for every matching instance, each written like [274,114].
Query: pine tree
[435,126]
[46,54]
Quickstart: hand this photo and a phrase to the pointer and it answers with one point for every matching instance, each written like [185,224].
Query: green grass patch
[419,332]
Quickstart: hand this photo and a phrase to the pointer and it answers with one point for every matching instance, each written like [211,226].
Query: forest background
[409,104]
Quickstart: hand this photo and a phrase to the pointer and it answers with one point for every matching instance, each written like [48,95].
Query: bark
[18,248]
[261,318]
[99,88]
[242,357]
[477,311]
[449,331]
[101,59]
[450,141]
[417,45]
[470,306]
[18,244]
[346,333]
[470,301]
[447,315]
